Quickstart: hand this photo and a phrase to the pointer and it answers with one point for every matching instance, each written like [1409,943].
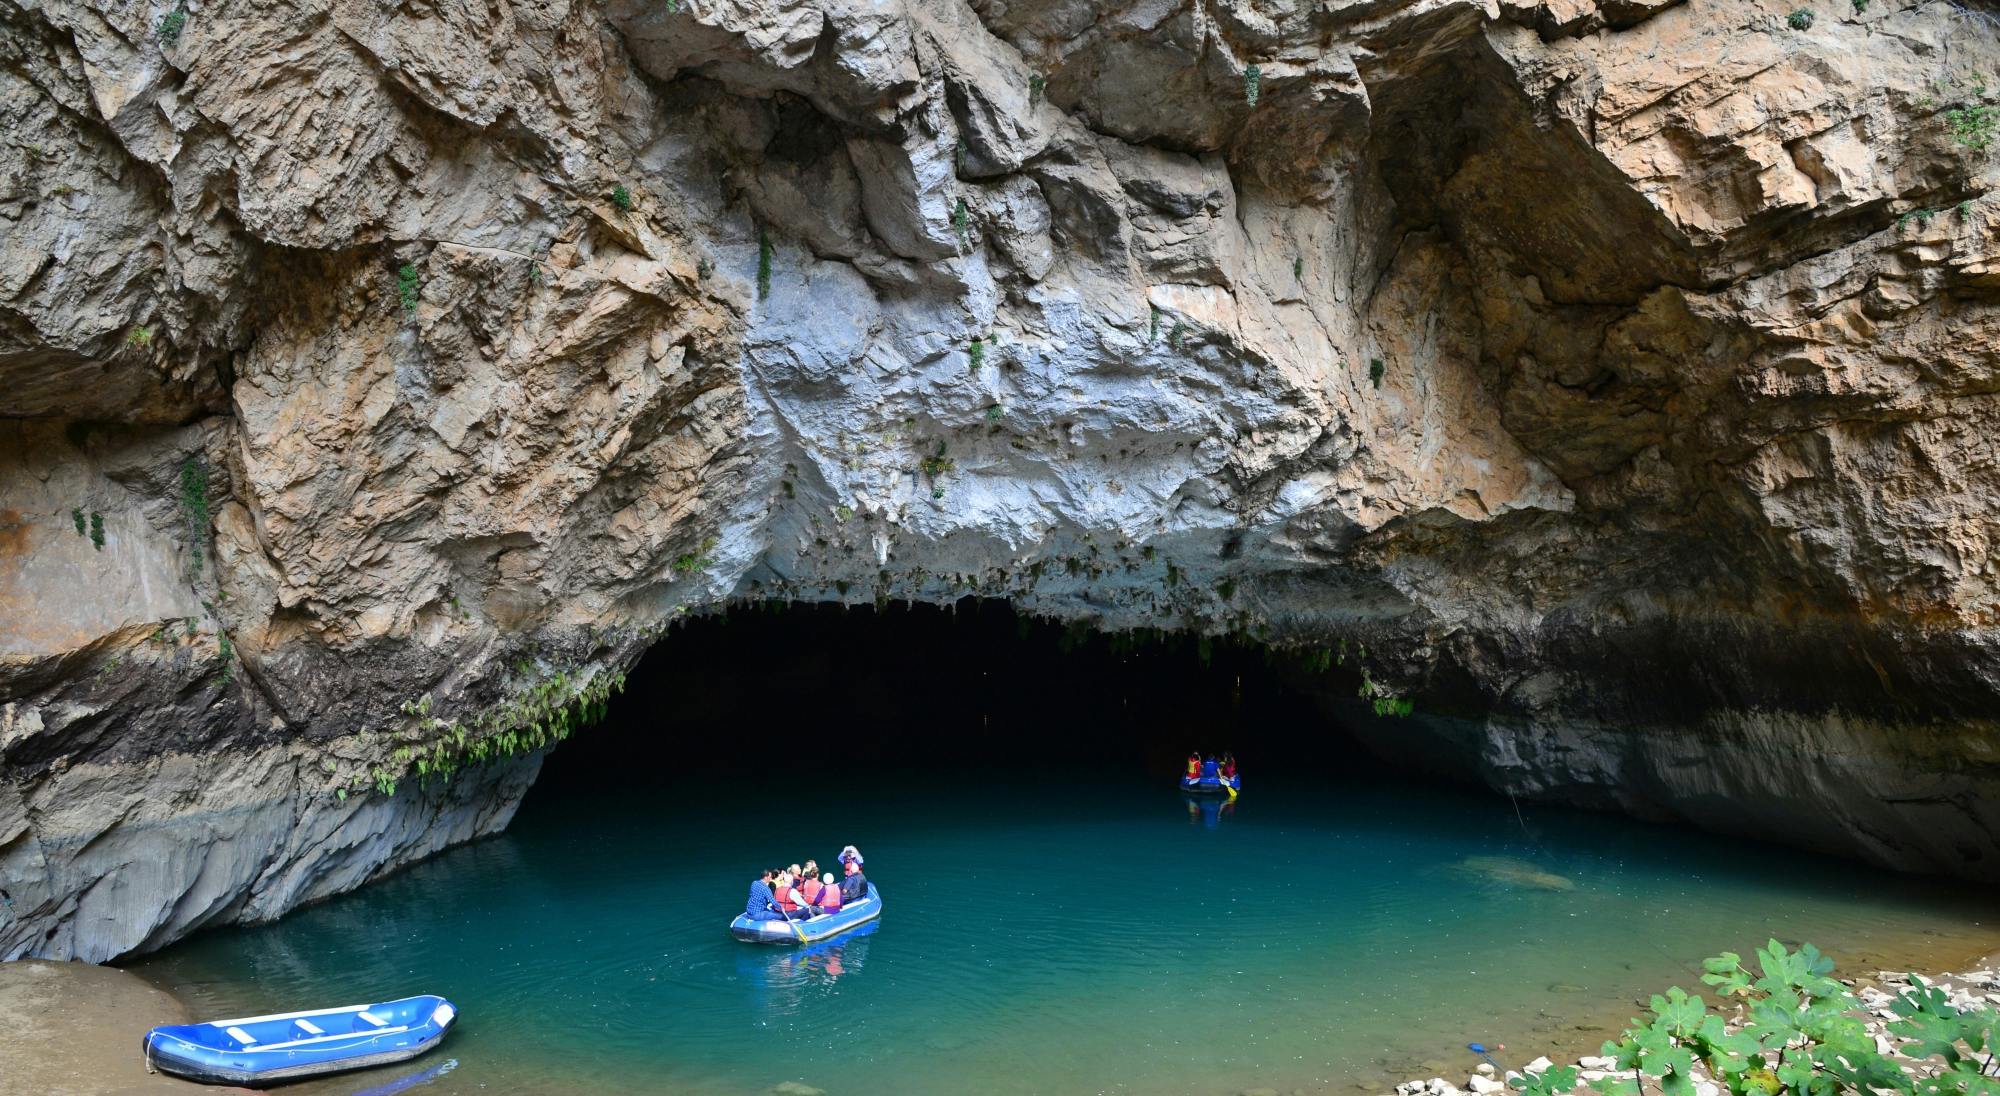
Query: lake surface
[1052,935]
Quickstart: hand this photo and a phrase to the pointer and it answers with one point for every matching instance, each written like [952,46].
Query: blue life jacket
[1208,771]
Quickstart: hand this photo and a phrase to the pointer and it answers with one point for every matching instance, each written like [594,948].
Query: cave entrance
[975,686]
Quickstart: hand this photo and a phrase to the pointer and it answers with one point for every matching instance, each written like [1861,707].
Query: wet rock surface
[1613,381]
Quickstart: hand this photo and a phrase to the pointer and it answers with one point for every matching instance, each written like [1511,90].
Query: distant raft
[1211,784]
[814,929]
[287,1046]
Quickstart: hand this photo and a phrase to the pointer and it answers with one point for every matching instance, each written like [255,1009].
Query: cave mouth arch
[821,688]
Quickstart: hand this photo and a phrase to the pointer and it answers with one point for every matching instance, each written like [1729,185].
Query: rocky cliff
[1613,382]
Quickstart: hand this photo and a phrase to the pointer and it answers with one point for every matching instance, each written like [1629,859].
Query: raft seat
[309,1027]
[242,1036]
[374,1020]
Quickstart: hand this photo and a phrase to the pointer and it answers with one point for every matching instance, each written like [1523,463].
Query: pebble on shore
[1973,988]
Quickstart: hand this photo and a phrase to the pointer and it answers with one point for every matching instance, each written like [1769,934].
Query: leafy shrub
[1036,86]
[408,288]
[169,28]
[194,508]
[977,353]
[937,464]
[995,413]
[1803,1032]
[621,197]
[140,336]
[1860,7]
[1800,19]
[76,515]
[1972,125]
[960,223]
[97,530]
[1253,84]
[1375,371]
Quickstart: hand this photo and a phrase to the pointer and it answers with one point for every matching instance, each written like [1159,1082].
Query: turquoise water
[1045,935]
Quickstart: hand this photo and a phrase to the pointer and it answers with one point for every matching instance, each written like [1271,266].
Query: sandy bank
[75,1030]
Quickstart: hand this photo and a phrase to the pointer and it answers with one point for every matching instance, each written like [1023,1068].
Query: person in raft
[1229,766]
[790,902]
[763,904]
[1194,766]
[809,884]
[855,886]
[829,895]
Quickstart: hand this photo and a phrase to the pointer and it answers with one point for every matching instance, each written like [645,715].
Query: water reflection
[784,979]
[1209,811]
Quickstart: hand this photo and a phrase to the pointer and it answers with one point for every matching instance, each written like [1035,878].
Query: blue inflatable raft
[814,929]
[260,1050]
[1211,782]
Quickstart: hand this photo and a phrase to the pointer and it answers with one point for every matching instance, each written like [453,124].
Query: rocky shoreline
[1976,986]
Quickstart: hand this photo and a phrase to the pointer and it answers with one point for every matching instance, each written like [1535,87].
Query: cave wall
[1614,381]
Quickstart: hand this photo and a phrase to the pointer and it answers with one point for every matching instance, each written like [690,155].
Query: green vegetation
[76,515]
[1153,323]
[673,7]
[1174,334]
[621,197]
[976,353]
[140,336]
[960,223]
[1036,86]
[540,710]
[194,509]
[1253,84]
[1375,371]
[1800,19]
[697,560]
[170,26]
[1802,1032]
[843,512]
[1298,268]
[408,289]
[97,530]
[937,464]
[1972,125]
[763,263]
[1860,7]
[995,413]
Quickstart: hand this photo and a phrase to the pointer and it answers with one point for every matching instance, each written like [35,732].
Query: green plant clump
[1036,86]
[1375,371]
[995,413]
[169,28]
[76,515]
[1800,19]
[976,353]
[960,223]
[697,560]
[408,290]
[1860,7]
[194,508]
[1253,84]
[97,530]
[763,263]
[1973,125]
[621,197]
[140,336]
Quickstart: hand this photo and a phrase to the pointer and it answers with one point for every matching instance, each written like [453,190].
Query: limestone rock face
[1616,381]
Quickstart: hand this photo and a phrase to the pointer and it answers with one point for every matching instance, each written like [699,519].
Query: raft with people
[1211,777]
[796,905]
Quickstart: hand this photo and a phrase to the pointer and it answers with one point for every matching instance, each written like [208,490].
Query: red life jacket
[784,896]
[1194,768]
[811,888]
[829,898]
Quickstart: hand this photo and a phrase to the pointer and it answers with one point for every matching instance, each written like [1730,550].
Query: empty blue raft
[287,1046]
[813,929]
